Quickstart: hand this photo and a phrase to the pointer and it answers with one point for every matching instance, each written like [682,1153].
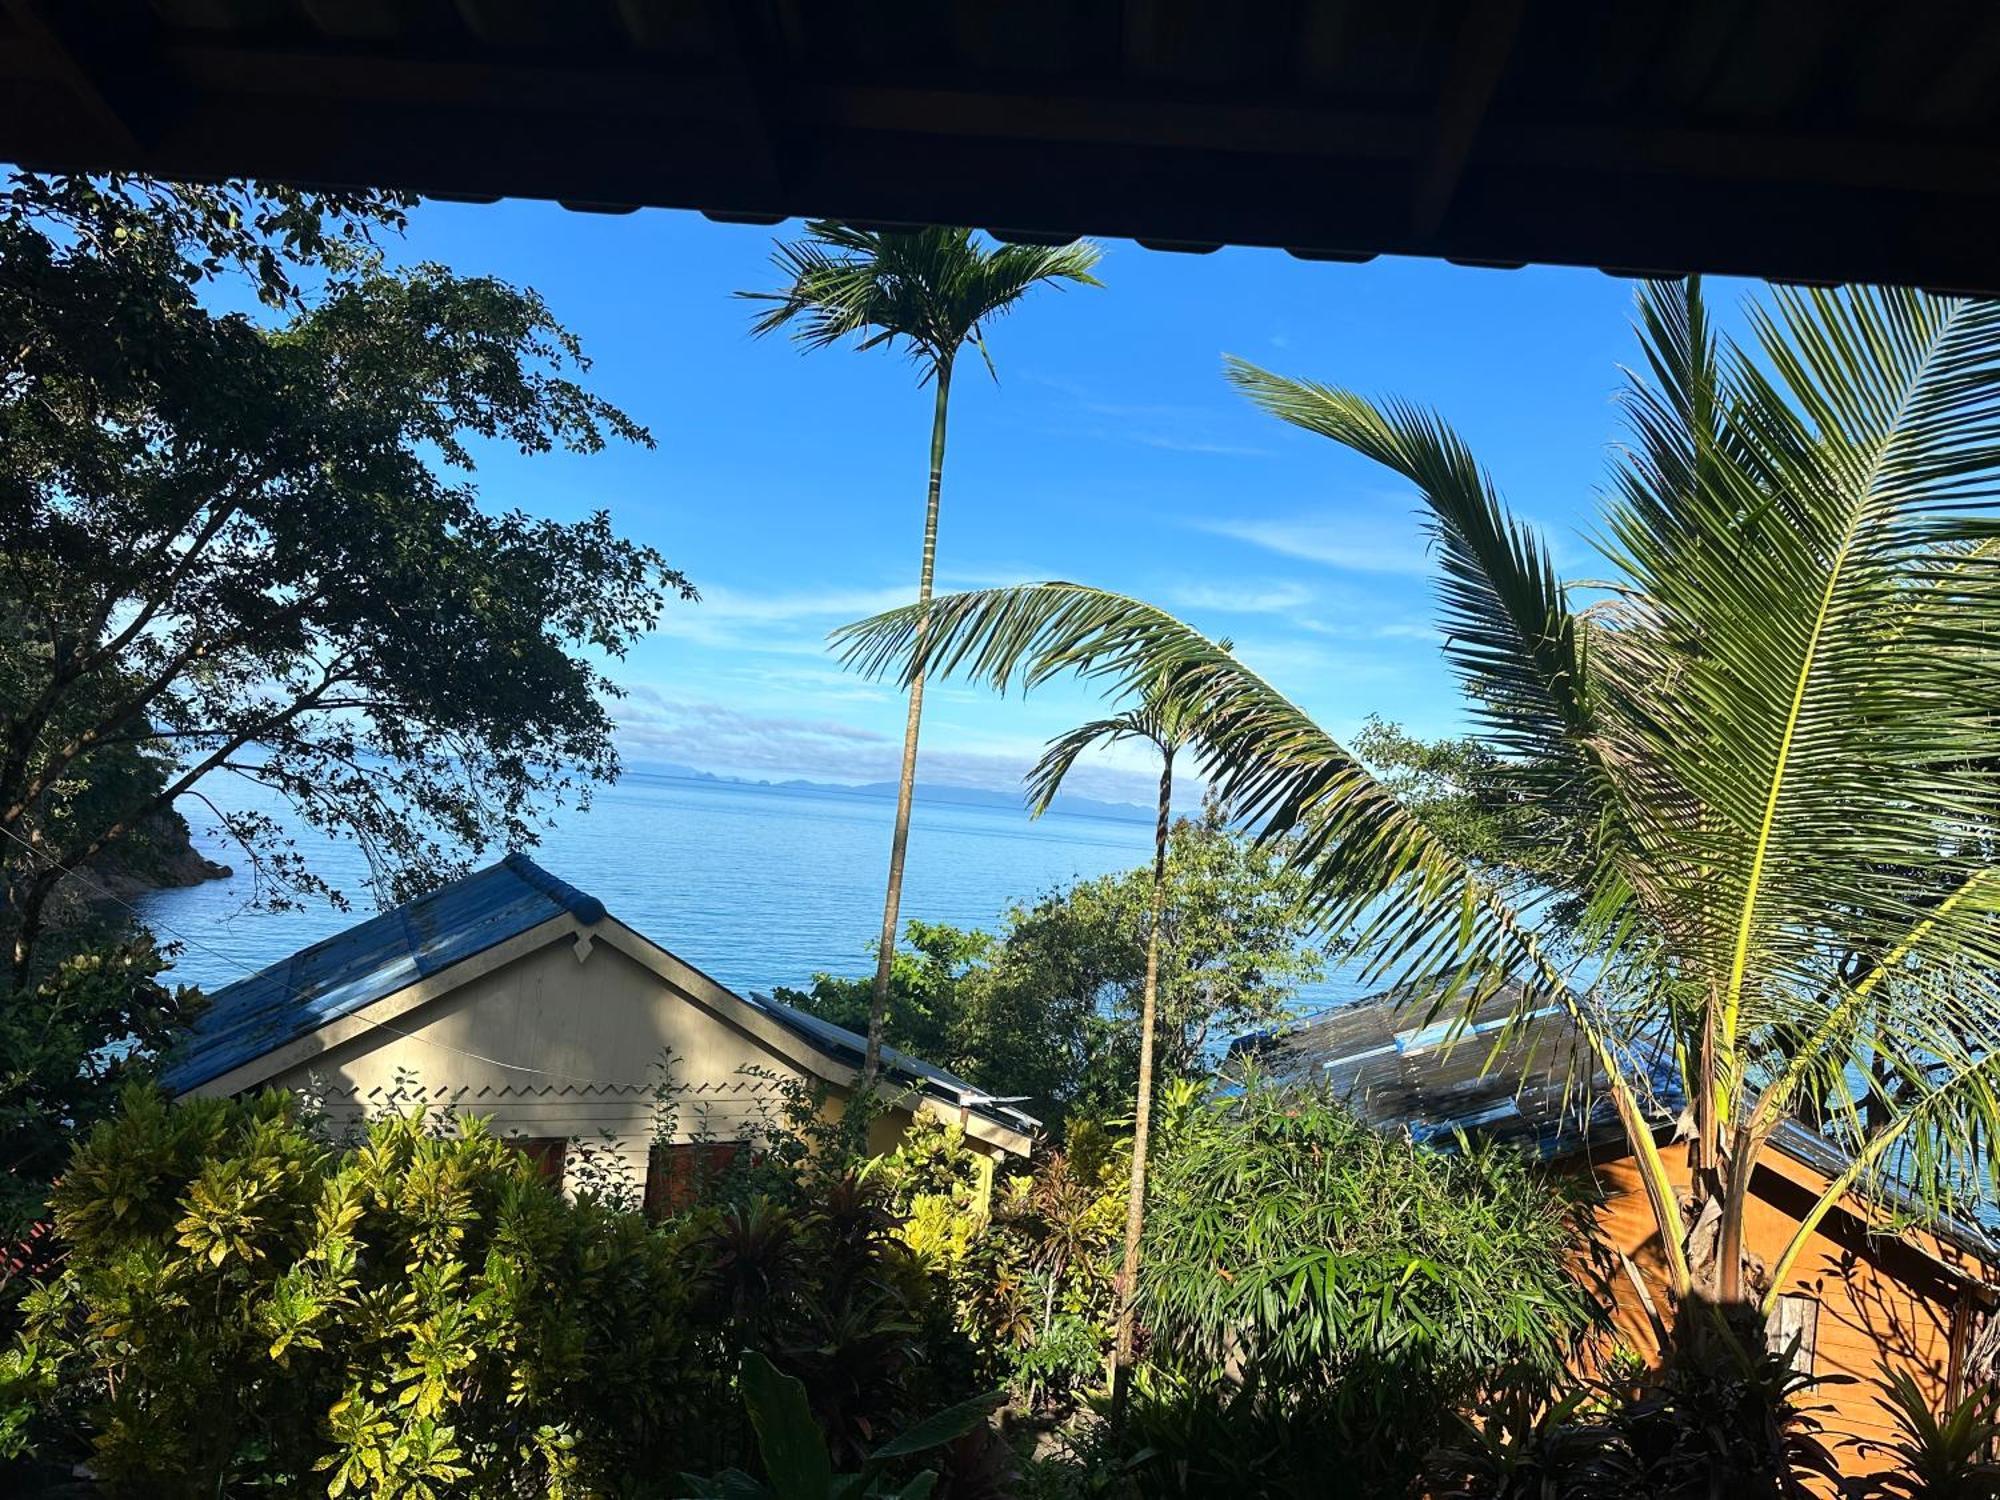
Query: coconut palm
[1163,722]
[1775,720]
[930,292]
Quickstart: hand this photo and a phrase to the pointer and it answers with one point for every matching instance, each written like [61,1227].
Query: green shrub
[1284,1232]
[1304,1273]
[794,1453]
[1718,1419]
[1937,1455]
[248,1304]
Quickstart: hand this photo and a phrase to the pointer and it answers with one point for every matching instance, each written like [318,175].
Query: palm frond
[1517,647]
[1431,924]
[1969,1094]
[1046,776]
[930,289]
[1801,683]
[1524,656]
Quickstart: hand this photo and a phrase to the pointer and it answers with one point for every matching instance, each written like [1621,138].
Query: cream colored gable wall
[585,1040]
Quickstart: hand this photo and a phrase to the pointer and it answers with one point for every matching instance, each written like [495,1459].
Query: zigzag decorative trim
[460,1093]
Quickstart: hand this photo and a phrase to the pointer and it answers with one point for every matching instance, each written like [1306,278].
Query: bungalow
[514,996]
[1882,1284]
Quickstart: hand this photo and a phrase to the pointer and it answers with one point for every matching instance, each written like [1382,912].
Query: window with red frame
[676,1172]
[547,1152]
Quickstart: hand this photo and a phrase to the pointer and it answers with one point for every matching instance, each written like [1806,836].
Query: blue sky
[790,485]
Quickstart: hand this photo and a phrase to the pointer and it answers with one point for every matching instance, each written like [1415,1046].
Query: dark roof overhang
[1802,142]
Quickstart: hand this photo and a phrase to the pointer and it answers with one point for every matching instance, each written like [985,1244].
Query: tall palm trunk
[906,787]
[1142,1114]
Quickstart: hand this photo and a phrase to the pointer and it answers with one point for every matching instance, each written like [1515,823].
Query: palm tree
[931,292]
[1163,722]
[1775,722]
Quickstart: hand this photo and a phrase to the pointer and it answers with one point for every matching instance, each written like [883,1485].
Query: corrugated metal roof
[373,959]
[1540,1090]
[852,1048]
[1433,1076]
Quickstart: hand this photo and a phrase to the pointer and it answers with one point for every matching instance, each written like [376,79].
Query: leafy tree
[1484,806]
[247,546]
[1776,728]
[242,547]
[930,292]
[1049,1009]
[927,979]
[1237,942]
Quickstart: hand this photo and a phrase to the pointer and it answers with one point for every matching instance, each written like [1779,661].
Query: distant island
[1066,804]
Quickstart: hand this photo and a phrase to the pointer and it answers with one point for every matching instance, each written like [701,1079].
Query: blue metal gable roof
[372,960]
[339,975]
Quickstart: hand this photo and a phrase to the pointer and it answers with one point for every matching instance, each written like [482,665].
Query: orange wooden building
[1880,1286]
[1868,1294]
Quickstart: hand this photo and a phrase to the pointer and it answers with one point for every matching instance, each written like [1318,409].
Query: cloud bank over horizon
[660,728]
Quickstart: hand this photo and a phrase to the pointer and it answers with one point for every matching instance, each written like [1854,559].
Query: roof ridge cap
[585,907]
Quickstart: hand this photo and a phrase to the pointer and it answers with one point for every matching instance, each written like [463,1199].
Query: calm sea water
[756,886]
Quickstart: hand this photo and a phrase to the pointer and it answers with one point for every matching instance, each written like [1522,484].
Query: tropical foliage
[97,1023]
[1050,1008]
[1936,1455]
[1772,719]
[1287,1234]
[1356,1283]
[246,1303]
[930,292]
[1721,1420]
[795,1456]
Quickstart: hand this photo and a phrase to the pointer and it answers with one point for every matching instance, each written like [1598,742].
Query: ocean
[758,886]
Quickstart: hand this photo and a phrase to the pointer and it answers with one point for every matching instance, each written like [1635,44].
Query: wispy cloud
[1331,611]
[1242,597]
[1406,630]
[793,624]
[1386,539]
[1174,444]
[648,708]
[1176,427]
